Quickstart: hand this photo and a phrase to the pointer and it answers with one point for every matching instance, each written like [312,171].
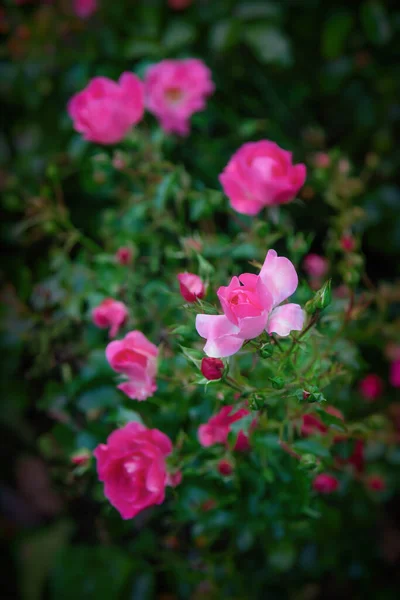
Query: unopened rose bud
[322,299]
[212,368]
[266,351]
[277,382]
[225,467]
[191,286]
[124,255]
[347,242]
[325,483]
[308,462]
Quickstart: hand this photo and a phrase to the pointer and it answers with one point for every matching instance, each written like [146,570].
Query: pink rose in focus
[371,387]
[179,4]
[124,255]
[251,305]
[132,467]
[315,266]
[395,373]
[191,286]
[216,430]
[110,313]
[136,358]
[175,90]
[325,483]
[84,8]
[261,174]
[105,111]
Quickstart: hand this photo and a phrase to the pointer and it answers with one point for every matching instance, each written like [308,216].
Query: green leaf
[331,420]
[335,33]
[269,43]
[311,447]
[193,355]
[164,191]
[179,34]
[375,22]
[101,397]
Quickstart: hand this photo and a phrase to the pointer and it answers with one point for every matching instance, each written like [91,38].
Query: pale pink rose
[315,266]
[325,483]
[191,286]
[216,430]
[371,387]
[132,467]
[395,373]
[175,90]
[110,313]
[179,4]
[105,111]
[136,358]
[251,305]
[84,8]
[261,174]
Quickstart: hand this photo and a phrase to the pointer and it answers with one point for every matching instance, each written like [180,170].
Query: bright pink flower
[135,357]
[325,483]
[124,255]
[191,286]
[376,483]
[225,467]
[174,479]
[212,368]
[261,174]
[315,265]
[216,430]
[312,425]
[371,387]
[105,111]
[395,373]
[251,304]
[175,89]
[85,8]
[179,4]
[110,313]
[132,467]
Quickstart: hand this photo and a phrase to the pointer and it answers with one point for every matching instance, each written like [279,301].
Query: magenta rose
[261,174]
[105,111]
[110,313]
[136,358]
[175,90]
[132,467]
[216,430]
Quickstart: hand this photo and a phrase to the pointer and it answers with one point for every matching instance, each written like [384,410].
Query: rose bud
[225,467]
[371,387]
[325,483]
[191,286]
[375,483]
[124,255]
[212,368]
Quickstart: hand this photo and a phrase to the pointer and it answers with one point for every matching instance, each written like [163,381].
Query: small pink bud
[174,479]
[306,395]
[225,467]
[81,458]
[322,160]
[347,242]
[376,483]
[371,387]
[325,483]
[212,368]
[191,286]
[124,255]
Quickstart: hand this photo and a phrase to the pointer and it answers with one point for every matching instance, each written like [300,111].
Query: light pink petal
[285,319]
[221,335]
[252,327]
[138,341]
[279,277]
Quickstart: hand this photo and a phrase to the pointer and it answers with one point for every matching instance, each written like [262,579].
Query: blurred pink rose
[312,425]
[395,373]
[175,89]
[135,357]
[375,483]
[179,4]
[261,174]
[174,479]
[315,266]
[371,387]
[322,160]
[191,286]
[132,467]
[84,8]
[110,313]
[124,255]
[105,111]
[325,483]
[251,305]
[225,467]
[348,243]
[216,430]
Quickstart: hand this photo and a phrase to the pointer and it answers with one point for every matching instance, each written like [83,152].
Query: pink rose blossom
[216,430]
[175,89]
[132,467]
[251,305]
[212,368]
[395,373]
[261,174]
[371,387]
[84,8]
[315,266]
[325,483]
[105,111]
[191,286]
[124,255]
[136,358]
[110,313]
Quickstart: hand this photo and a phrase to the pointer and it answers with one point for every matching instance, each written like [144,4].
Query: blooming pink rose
[85,8]
[216,430]
[105,111]
[132,467]
[315,266]
[261,174]
[251,304]
[175,89]
[325,483]
[191,286]
[312,425]
[124,255]
[135,357]
[110,313]
[395,373]
[371,387]
[376,483]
